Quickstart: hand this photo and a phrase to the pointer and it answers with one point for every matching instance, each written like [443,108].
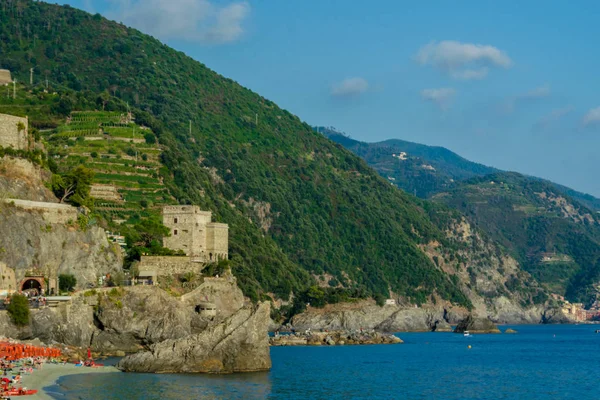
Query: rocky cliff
[394,318]
[29,241]
[115,321]
[473,324]
[20,179]
[238,344]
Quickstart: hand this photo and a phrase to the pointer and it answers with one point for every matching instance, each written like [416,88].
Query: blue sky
[509,85]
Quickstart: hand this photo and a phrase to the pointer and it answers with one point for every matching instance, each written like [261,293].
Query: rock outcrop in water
[476,325]
[238,344]
[334,338]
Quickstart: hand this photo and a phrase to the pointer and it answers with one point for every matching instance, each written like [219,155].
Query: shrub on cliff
[18,309]
[66,282]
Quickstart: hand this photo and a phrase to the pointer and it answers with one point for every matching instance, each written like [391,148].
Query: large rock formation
[334,338]
[20,179]
[368,315]
[395,318]
[223,292]
[476,325]
[141,315]
[112,321]
[29,241]
[238,344]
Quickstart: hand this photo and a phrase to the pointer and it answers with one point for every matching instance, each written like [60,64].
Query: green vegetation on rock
[18,309]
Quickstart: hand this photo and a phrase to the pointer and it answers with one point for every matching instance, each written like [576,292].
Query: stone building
[193,232]
[10,134]
[5,77]
[8,281]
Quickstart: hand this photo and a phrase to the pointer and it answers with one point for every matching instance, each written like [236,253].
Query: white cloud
[441,97]
[537,93]
[592,117]
[464,61]
[531,96]
[190,20]
[350,87]
[553,117]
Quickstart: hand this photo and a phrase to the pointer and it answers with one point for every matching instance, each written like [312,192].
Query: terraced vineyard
[121,153]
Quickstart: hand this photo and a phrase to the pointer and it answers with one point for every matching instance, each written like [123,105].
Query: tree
[150,138]
[148,233]
[18,309]
[73,186]
[66,282]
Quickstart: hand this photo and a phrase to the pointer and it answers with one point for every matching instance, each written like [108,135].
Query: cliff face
[20,179]
[238,344]
[129,319]
[144,317]
[29,241]
[392,318]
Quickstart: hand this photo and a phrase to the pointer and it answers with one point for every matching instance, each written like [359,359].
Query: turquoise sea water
[540,362]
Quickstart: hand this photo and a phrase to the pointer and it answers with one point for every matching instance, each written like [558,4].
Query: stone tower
[193,232]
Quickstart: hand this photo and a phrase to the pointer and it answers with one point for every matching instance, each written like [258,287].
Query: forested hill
[413,173]
[298,205]
[552,230]
[554,237]
[422,170]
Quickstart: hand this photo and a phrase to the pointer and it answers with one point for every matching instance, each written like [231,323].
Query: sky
[508,84]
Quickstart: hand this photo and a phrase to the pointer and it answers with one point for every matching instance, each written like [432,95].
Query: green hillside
[413,174]
[298,205]
[422,170]
[120,152]
[562,229]
[554,237]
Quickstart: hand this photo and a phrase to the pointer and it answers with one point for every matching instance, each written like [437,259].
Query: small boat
[466,334]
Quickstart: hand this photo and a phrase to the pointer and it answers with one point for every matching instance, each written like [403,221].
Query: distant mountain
[418,169]
[426,170]
[552,230]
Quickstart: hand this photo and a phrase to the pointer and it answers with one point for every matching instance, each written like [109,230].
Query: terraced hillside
[124,156]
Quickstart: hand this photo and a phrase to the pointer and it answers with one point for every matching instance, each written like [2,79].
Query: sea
[539,362]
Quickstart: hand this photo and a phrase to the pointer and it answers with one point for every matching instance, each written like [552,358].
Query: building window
[175,220]
[175,232]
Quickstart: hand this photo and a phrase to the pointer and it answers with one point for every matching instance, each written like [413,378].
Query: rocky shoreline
[335,338]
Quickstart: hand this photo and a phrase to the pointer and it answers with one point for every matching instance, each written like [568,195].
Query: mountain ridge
[460,167]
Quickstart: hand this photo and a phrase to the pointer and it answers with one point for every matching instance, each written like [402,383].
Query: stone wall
[53,213]
[105,192]
[10,136]
[217,241]
[169,265]
[5,77]
[8,281]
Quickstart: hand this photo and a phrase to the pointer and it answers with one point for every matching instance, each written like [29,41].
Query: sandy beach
[50,373]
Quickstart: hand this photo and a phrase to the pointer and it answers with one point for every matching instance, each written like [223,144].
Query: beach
[50,373]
